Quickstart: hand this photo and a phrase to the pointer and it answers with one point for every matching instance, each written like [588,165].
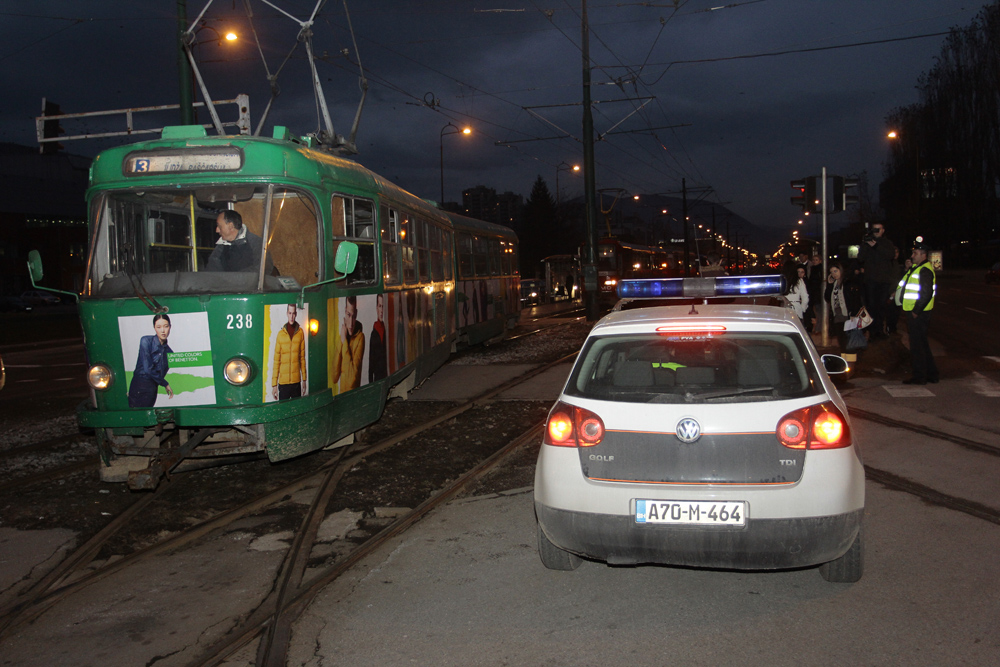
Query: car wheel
[553,557]
[848,568]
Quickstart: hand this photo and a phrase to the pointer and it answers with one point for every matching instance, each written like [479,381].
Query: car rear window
[700,368]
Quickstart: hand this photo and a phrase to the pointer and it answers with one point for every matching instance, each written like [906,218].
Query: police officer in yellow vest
[915,294]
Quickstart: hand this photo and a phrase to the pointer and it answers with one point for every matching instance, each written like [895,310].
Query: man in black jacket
[238,249]
[876,255]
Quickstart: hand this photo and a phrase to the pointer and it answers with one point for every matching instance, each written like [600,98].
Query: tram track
[899,483]
[972,445]
[289,592]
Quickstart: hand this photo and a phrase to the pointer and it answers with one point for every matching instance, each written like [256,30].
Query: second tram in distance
[618,260]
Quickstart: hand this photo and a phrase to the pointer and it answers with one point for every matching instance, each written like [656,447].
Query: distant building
[484,203]
[43,209]
[510,210]
[480,202]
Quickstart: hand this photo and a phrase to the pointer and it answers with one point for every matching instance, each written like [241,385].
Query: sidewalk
[965,407]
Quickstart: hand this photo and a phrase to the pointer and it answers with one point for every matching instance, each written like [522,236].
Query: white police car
[706,433]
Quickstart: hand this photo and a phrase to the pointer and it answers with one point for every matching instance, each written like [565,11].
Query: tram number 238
[239,321]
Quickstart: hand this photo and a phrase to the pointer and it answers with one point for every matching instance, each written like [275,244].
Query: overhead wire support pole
[825,328]
[589,181]
[183,70]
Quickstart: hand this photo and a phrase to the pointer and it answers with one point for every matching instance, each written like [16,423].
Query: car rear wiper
[726,393]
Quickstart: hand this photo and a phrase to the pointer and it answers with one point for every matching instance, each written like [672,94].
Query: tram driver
[238,249]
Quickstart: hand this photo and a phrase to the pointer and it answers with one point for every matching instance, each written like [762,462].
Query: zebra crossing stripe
[984,386]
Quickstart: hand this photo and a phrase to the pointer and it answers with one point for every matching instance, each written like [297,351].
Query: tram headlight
[237,371]
[99,376]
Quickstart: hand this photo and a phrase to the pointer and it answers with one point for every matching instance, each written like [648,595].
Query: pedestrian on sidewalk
[837,298]
[875,255]
[814,288]
[915,295]
[797,296]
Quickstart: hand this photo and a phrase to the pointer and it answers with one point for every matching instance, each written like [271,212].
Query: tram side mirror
[835,364]
[346,258]
[35,266]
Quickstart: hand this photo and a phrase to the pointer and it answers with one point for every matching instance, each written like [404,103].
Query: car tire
[848,568]
[553,557]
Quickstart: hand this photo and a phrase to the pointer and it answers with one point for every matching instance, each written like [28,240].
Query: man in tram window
[349,353]
[378,366]
[288,380]
[238,249]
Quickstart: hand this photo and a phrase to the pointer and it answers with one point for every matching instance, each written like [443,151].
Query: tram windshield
[165,241]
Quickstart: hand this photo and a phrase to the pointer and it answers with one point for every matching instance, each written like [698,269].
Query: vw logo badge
[688,430]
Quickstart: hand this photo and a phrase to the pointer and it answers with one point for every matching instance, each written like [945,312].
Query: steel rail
[973,445]
[269,614]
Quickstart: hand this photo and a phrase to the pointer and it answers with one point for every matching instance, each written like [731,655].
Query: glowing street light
[466,131]
[563,166]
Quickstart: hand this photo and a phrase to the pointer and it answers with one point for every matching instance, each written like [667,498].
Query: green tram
[283,353]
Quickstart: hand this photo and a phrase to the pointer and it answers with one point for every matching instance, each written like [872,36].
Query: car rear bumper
[763,544]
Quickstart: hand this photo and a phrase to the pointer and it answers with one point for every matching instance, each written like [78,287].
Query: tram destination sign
[164,162]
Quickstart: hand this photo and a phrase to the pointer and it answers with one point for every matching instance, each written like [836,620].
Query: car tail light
[570,426]
[817,427]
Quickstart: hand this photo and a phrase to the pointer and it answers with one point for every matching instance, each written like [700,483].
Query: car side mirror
[35,265]
[834,364]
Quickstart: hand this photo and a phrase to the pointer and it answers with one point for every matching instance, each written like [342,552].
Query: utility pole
[684,221]
[824,310]
[183,68]
[589,181]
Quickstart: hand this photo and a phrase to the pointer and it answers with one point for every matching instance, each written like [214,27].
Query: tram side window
[506,256]
[408,233]
[481,254]
[437,256]
[354,220]
[446,250]
[390,246]
[466,267]
[494,245]
[423,251]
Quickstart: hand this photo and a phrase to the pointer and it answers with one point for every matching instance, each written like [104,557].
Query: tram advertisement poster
[189,358]
[286,349]
[356,339]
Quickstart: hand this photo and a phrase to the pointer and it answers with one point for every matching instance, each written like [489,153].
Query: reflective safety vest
[908,290]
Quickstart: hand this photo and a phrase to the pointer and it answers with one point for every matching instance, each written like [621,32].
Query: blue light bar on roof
[699,288]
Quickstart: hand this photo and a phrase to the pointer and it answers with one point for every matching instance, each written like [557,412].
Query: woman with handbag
[837,296]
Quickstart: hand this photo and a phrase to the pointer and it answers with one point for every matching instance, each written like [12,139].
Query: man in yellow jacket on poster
[349,352]
[289,377]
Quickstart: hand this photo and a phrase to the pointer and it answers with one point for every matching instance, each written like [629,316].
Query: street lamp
[186,42]
[455,130]
[563,166]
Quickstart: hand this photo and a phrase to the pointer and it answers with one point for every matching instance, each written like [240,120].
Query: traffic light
[841,199]
[50,128]
[806,197]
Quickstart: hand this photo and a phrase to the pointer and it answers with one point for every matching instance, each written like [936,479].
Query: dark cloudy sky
[758,95]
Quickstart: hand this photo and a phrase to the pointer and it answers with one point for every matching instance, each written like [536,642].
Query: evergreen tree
[539,237]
